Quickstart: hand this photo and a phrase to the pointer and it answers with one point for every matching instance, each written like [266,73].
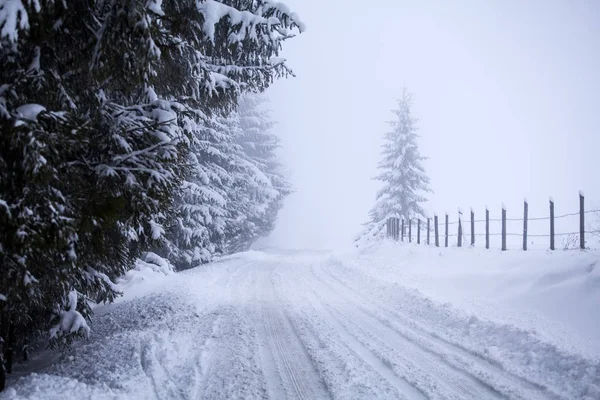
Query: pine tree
[405,182]
[100,104]
[260,146]
[235,188]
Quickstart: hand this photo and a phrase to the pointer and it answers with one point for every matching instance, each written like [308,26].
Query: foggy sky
[507,94]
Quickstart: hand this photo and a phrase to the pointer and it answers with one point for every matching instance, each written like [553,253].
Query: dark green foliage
[102,107]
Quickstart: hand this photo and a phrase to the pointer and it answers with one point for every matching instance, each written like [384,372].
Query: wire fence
[465,230]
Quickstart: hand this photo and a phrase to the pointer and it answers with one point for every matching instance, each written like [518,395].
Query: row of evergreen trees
[232,191]
[403,177]
[120,133]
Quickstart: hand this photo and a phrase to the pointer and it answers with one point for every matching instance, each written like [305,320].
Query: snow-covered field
[390,321]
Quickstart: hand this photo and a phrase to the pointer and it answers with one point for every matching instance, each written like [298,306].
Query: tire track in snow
[289,370]
[345,361]
[401,331]
[196,337]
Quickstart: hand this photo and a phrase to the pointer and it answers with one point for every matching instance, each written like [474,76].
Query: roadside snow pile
[555,295]
[148,272]
[533,313]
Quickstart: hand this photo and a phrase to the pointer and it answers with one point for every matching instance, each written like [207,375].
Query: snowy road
[298,325]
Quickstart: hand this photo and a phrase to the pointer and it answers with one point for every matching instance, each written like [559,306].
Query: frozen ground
[389,322]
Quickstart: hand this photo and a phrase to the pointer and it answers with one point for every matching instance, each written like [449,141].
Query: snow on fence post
[409,230]
[472,228]
[437,232]
[428,229]
[459,229]
[581,221]
[418,230]
[396,228]
[446,241]
[503,228]
[525,216]
[487,228]
[551,224]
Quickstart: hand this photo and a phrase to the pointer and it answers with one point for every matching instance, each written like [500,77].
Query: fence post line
[525,216]
[428,229]
[409,230]
[581,221]
[472,227]
[503,228]
[435,227]
[551,224]
[389,227]
[397,223]
[419,231]
[487,228]
[459,229]
[446,241]
[401,233]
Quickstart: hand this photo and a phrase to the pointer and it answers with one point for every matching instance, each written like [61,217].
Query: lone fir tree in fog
[402,173]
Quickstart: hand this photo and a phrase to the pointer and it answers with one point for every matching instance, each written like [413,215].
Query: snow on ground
[388,322]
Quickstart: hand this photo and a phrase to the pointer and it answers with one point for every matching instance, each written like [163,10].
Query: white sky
[507,93]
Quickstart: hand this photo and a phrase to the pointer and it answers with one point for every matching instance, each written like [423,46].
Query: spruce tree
[260,145]
[100,106]
[403,176]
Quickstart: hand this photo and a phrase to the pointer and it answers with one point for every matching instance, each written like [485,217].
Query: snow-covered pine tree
[234,190]
[199,229]
[405,182]
[260,145]
[98,104]
[252,191]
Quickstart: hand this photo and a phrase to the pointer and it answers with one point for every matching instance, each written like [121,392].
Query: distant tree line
[128,126]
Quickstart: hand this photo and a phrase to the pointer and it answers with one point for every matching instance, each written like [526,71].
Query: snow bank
[534,314]
[148,273]
[553,295]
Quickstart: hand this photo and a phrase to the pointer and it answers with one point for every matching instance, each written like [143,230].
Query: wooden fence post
[525,216]
[387,226]
[409,230]
[459,229]
[487,228]
[551,224]
[428,229]
[581,221]
[437,233]
[419,231]
[472,228]
[402,230]
[446,231]
[503,228]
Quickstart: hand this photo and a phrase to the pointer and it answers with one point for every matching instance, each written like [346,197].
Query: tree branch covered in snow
[110,113]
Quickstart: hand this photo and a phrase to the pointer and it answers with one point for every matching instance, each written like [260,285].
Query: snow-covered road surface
[302,325]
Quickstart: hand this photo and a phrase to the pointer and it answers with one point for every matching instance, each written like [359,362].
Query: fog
[507,95]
